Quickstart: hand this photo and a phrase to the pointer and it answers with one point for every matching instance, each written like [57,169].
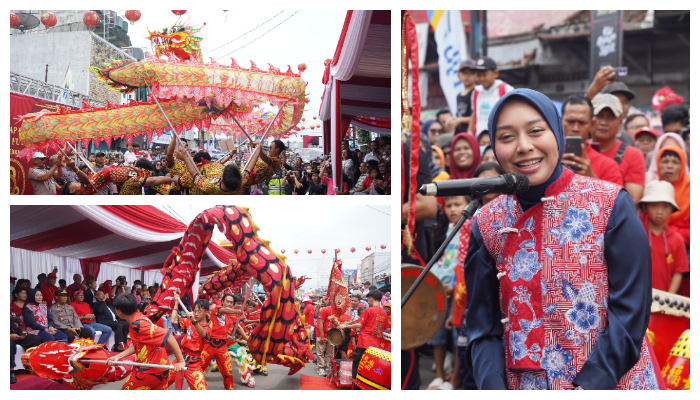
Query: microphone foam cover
[522,183]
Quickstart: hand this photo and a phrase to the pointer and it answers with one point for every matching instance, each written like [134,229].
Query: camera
[121,280]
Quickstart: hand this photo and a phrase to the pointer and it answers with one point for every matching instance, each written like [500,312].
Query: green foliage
[363,138]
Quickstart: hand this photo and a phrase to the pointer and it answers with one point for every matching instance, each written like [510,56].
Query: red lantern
[302,128]
[302,67]
[303,119]
[91,19]
[318,126]
[283,250]
[178,12]
[307,99]
[49,20]
[323,251]
[352,249]
[383,246]
[368,248]
[337,250]
[14,20]
[133,15]
[312,127]
[309,251]
[296,251]
[314,117]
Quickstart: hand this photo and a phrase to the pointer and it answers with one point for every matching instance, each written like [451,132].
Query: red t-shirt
[221,325]
[604,168]
[74,286]
[192,340]
[323,316]
[632,166]
[217,302]
[664,265]
[82,309]
[309,314]
[149,341]
[329,183]
[682,226]
[373,321]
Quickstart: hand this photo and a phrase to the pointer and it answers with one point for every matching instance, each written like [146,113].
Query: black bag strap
[620,153]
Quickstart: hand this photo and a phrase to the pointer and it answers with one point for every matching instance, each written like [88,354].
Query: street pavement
[276,379]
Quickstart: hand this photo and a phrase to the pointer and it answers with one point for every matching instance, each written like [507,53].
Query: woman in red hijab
[465,156]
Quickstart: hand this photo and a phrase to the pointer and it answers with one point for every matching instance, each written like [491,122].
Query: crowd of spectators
[647,153]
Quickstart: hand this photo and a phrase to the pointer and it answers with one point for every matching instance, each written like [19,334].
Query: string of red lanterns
[323,251]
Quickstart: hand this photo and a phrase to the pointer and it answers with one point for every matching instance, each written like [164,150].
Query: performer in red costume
[221,323]
[131,179]
[558,278]
[197,328]
[371,327]
[148,345]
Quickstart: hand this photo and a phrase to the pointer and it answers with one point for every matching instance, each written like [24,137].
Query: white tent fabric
[27,264]
[123,228]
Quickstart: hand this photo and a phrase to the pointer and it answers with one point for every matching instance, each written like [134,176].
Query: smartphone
[595,146]
[573,145]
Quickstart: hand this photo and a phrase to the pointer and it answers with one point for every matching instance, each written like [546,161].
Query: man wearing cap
[87,317]
[645,140]
[49,289]
[576,119]
[99,166]
[669,260]
[606,123]
[466,74]
[65,318]
[485,95]
[43,178]
[604,82]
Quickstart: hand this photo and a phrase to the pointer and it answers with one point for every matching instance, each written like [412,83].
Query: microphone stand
[467,213]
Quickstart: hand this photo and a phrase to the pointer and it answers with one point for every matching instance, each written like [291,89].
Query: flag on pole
[452,49]
[67,84]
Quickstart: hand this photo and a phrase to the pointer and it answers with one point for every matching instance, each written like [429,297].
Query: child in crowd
[485,95]
[466,74]
[444,269]
[668,257]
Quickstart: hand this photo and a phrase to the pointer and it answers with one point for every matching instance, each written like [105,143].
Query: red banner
[19,168]
[310,140]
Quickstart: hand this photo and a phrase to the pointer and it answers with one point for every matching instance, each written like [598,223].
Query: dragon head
[179,40]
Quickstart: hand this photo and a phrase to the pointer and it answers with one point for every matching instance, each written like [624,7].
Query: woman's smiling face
[525,144]
[463,154]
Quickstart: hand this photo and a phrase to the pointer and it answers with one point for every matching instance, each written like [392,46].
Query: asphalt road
[276,379]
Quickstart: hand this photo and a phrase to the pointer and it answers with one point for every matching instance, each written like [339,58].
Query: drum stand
[467,213]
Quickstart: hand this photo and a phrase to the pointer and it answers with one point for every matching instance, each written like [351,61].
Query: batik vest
[554,282]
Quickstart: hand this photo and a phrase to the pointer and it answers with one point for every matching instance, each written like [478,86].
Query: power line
[378,211]
[245,33]
[262,34]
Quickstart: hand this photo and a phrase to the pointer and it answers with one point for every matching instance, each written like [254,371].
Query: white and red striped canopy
[358,80]
[129,236]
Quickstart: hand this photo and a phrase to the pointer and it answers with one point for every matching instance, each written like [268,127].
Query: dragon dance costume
[149,342]
[131,179]
[216,347]
[192,345]
[208,182]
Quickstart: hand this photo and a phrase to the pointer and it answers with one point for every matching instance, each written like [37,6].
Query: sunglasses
[435,131]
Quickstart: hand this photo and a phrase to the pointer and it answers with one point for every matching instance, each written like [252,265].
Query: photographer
[314,184]
[120,287]
[296,185]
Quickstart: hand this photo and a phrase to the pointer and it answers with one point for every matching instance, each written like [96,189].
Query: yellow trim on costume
[374,385]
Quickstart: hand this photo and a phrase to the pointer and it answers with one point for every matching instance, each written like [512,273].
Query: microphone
[477,187]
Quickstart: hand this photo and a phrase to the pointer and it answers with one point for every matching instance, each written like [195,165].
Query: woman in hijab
[438,156]
[667,139]
[556,299]
[39,320]
[671,168]
[465,156]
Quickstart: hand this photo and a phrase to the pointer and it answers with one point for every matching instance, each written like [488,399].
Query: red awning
[127,236]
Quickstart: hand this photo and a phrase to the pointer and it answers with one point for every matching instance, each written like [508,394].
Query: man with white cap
[607,111]
[43,178]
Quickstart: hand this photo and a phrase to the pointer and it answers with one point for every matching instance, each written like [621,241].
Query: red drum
[670,317]
[374,370]
[676,372]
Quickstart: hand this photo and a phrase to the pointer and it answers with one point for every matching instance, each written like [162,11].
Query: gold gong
[425,311]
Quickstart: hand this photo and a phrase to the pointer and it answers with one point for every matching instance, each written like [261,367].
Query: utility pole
[46,76]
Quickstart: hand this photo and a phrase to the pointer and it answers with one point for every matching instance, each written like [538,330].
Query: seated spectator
[19,337]
[348,166]
[374,152]
[385,170]
[145,301]
[671,162]
[91,290]
[66,320]
[488,156]
[106,315]
[668,256]
[62,283]
[465,156]
[367,183]
[38,319]
[77,284]
[19,298]
[87,318]
[49,288]
[106,288]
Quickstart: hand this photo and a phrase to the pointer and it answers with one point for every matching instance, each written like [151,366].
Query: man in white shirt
[129,157]
[374,153]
